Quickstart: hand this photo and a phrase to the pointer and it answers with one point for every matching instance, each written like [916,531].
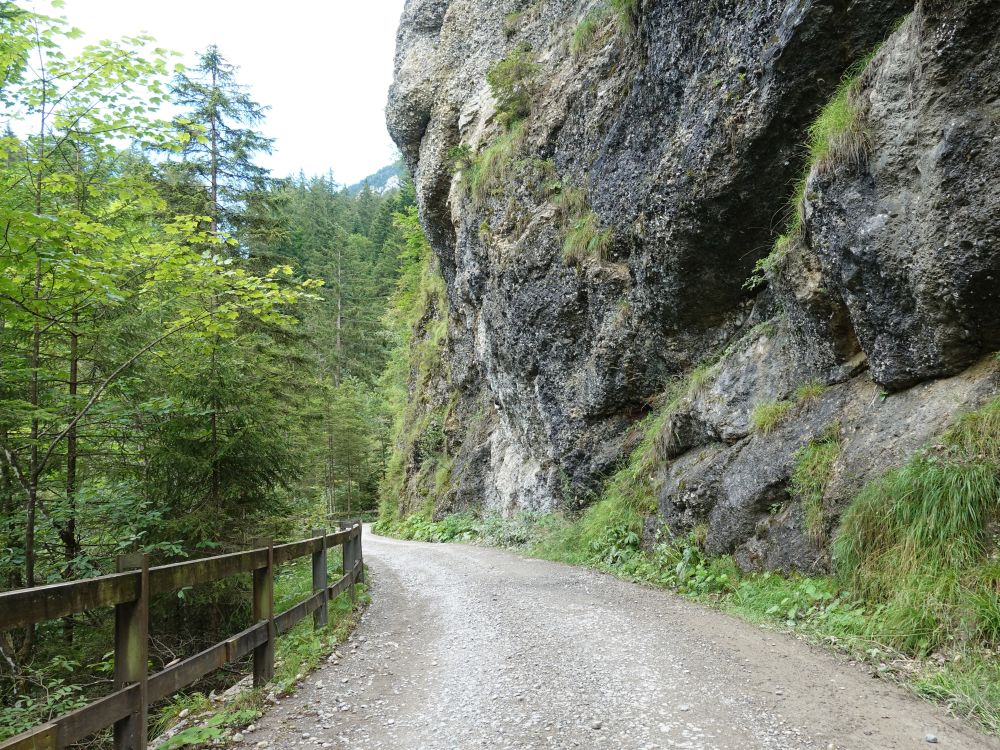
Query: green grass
[767,415]
[920,541]
[767,267]
[587,30]
[512,81]
[495,166]
[970,687]
[840,135]
[583,237]
[627,14]
[809,391]
[813,467]
[586,240]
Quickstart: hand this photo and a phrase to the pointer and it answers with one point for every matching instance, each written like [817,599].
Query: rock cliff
[770,224]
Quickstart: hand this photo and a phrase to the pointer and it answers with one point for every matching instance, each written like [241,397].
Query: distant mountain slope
[387,178]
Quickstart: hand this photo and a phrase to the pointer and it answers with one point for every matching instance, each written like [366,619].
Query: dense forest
[194,353]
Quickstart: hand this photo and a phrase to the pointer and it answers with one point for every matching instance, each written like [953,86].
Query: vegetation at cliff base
[916,556]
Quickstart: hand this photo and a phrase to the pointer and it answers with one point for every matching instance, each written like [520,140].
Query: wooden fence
[129,590]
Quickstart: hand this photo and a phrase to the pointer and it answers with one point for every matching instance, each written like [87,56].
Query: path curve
[470,647]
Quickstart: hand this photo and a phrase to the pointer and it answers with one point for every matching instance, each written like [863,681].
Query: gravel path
[469,647]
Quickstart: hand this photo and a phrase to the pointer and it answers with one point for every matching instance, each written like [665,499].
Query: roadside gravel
[470,647]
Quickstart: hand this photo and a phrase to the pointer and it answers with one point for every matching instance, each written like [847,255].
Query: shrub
[769,414]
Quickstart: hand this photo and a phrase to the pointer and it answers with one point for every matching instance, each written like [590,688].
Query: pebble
[527,675]
[931,739]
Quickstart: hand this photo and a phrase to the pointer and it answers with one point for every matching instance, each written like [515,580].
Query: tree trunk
[340,315]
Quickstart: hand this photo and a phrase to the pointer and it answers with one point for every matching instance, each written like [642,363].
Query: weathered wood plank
[26,606]
[294,615]
[285,552]
[169,681]
[39,738]
[132,655]
[343,536]
[164,579]
[263,609]
[340,586]
[98,715]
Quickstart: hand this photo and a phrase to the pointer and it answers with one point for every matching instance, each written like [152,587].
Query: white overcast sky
[323,66]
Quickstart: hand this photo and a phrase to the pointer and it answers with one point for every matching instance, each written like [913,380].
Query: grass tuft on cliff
[587,31]
[921,542]
[584,239]
[488,172]
[512,81]
[838,136]
[767,415]
[813,467]
[627,14]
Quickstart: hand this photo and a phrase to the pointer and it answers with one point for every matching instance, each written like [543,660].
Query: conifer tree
[220,128]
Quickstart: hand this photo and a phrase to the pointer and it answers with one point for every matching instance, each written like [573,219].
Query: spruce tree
[220,128]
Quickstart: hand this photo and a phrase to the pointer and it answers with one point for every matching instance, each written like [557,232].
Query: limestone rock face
[683,129]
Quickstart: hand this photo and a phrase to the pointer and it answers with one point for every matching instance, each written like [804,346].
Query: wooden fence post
[320,616]
[349,556]
[132,654]
[360,555]
[263,610]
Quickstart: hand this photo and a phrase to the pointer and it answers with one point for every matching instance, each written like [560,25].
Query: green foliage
[813,467]
[767,267]
[809,391]
[767,415]
[512,81]
[584,238]
[489,172]
[588,29]
[627,13]
[916,540]
[456,527]
[839,135]
[418,464]
[56,694]
[179,371]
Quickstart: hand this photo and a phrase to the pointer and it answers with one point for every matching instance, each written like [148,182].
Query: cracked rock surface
[467,647]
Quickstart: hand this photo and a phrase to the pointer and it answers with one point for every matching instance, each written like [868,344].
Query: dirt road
[468,647]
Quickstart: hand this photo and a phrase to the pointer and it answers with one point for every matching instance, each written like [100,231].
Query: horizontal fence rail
[129,591]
